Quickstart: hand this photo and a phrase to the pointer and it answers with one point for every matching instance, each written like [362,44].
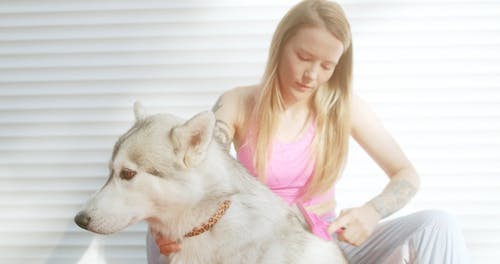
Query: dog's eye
[154,172]
[127,174]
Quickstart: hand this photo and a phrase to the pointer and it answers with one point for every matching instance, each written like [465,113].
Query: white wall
[71,70]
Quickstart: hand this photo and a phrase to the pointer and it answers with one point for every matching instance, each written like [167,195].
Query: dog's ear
[191,139]
[139,111]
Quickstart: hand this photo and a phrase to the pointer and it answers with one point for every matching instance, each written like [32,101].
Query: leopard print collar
[211,221]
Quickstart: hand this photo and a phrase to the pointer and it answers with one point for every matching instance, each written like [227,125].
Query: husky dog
[174,175]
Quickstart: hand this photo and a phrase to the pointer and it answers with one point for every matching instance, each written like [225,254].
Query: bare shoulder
[364,121]
[243,93]
[359,111]
[233,102]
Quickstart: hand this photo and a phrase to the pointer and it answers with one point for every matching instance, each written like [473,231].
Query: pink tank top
[288,170]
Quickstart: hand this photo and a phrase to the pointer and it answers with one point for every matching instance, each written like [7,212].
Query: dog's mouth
[104,226]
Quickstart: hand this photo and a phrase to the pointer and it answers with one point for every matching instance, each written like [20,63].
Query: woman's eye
[303,58]
[327,66]
[127,174]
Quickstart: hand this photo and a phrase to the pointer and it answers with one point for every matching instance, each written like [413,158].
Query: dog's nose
[82,219]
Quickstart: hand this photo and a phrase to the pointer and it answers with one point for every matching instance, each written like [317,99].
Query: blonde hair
[330,102]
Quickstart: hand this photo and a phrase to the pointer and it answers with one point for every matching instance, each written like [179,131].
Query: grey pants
[423,237]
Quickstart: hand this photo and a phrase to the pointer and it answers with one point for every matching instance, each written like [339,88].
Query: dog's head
[153,169]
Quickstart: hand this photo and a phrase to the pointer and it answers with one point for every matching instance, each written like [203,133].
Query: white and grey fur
[182,174]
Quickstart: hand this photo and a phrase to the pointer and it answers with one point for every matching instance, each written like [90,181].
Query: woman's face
[307,61]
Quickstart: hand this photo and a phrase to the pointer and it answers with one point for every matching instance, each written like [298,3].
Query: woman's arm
[226,114]
[371,135]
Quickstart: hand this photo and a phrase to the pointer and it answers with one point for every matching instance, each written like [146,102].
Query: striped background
[71,70]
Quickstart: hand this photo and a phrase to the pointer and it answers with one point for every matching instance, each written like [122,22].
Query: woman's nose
[310,75]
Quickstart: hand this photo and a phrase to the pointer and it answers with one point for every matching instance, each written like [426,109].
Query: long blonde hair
[330,104]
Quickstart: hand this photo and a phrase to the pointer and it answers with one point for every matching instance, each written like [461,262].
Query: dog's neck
[211,221]
[189,222]
[176,221]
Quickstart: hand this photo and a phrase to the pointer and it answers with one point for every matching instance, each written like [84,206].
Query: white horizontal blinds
[69,74]
[71,70]
[430,69]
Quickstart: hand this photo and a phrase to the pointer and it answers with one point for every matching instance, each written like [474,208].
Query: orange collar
[211,221]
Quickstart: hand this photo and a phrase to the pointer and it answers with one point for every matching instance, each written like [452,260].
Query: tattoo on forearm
[221,134]
[217,105]
[396,195]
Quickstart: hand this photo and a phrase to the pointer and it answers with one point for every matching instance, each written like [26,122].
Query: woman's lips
[303,86]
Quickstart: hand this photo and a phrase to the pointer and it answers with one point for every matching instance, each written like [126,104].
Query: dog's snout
[82,219]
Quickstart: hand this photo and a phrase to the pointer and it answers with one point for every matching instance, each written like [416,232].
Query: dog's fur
[182,174]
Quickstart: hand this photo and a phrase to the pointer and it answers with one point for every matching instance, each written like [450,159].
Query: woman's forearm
[398,192]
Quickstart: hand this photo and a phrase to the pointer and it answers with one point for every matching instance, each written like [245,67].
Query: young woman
[304,107]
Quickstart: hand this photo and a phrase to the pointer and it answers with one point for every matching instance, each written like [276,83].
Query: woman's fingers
[167,246]
[358,223]
[340,224]
[167,249]
[163,240]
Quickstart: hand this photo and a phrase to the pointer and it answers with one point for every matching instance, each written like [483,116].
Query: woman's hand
[355,225]
[166,246]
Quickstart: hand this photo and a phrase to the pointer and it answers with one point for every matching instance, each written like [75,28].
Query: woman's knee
[436,218]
